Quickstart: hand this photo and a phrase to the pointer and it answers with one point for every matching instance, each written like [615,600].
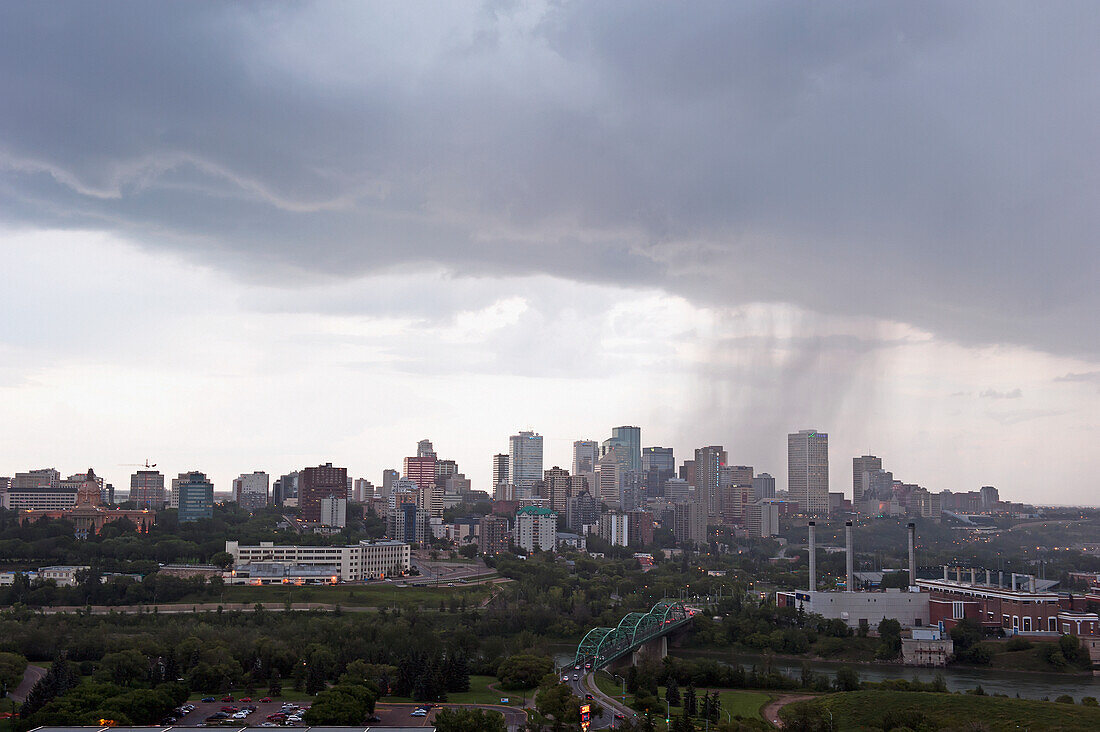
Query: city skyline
[342,230]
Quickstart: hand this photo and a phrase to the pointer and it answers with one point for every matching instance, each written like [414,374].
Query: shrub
[1018,644]
[1064,699]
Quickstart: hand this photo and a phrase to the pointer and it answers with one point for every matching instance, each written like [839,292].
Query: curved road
[30,678]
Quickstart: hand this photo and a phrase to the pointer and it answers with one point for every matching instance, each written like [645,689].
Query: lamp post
[668,714]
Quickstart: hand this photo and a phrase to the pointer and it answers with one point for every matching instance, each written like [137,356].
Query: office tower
[424,449]
[444,469]
[658,465]
[877,485]
[250,490]
[525,459]
[492,535]
[285,489]
[324,481]
[763,518]
[763,486]
[458,483]
[430,498]
[808,470]
[334,512]
[362,490]
[630,438]
[582,510]
[585,455]
[708,462]
[677,490]
[556,487]
[639,528]
[735,492]
[861,465]
[196,496]
[501,472]
[420,470]
[687,472]
[389,477]
[147,489]
[689,523]
[610,472]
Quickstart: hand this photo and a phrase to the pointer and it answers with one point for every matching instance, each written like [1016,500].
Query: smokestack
[1000,578]
[959,574]
[1031,583]
[851,583]
[912,554]
[813,556]
[987,578]
[945,573]
[1013,581]
[973,576]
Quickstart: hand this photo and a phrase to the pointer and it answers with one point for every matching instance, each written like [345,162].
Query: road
[771,710]
[585,683]
[30,678]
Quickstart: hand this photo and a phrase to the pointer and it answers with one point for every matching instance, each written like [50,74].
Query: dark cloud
[933,164]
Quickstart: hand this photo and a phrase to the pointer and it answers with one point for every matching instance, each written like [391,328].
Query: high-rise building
[42,478]
[689,524]
[763,518]
[492,535]
[285,490]
[631,439]
[147,489]
[525,459]
[324,481]
[861,465]
[196,496]
[658,465]
[362,490]
[424,449]
[708,464]
[687,472]
[610,470]
[334,512]
[250,490]
[557,485]
[615,528]
[582,510]
[536,528]
[763,486]
[501,472]
[444,469]
[389,477]
[640,528]
[585,455]
[420,470]
[677,490]
[734,492]
[808,470]
[990,497]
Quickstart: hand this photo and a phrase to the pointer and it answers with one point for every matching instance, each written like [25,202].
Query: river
[1028,685]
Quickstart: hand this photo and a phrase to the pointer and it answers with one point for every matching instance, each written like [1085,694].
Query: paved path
[30,678]
[771,709]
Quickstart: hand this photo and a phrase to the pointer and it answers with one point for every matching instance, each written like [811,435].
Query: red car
[588,697]
[245,699]
[227,697]
[265,700]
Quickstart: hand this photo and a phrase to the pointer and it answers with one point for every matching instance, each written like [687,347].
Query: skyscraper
[389,477]
[808,470]
[196,496]
[424,449]
[147,489]
[421,470]
[658,465]
[501,470]
[631,439]
[861,465]
[556,486]
[324,481]
[708,464]
[585,455]
[735,492]
[763,486]
[525,458]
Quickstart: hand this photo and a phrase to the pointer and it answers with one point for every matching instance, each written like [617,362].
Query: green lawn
[376,595]
[479,693]
[864,710]
[738,702]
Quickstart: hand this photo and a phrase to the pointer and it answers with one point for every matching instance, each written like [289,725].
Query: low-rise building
[908,608]
[927,646]
[363,561]
[63,575]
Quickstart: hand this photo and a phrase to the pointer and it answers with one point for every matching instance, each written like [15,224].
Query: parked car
[208,699]
[266,699]
[419,713]
[245,699]
[227,697]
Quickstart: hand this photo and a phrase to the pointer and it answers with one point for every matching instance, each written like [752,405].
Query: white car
[419,713]
[576,676]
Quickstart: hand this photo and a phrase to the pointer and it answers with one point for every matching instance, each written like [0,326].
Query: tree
[690,701]
[846,679]
[469,720]
[275,684]
[523,671]
[221,559]
[889,631]
[557,702]
[672,692]
[12,667]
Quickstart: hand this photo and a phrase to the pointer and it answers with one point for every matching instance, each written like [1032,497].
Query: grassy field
[738,702]
[375,595]
[479,693]
[864,710]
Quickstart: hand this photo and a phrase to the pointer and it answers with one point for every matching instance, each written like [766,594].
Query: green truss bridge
[602,646]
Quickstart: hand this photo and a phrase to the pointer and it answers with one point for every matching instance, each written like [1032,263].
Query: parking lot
[203,710]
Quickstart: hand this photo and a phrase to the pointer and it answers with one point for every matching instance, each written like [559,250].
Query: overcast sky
[265,235]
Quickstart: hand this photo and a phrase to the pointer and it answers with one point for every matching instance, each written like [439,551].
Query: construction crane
[138,465]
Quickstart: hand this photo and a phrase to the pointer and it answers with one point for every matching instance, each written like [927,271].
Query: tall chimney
[1013,581]
[912,554]
[813,556]
[959,574]
[987,578]
[850,566]
[1032,584]
[973,576]
[945,573]
[1000,578]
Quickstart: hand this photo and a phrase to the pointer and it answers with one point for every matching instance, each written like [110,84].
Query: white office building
[536,528]
[355,562]
[525,459]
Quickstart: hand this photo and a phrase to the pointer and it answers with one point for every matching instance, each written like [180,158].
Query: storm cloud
[933,164]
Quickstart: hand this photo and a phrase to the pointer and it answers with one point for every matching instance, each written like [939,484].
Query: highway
[582,683]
